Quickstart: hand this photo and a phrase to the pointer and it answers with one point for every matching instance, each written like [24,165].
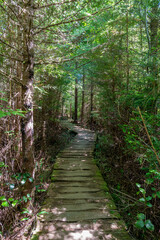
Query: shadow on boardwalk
[78,204]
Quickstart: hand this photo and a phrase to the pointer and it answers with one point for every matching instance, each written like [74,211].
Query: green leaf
[148,198]
[11,199]
[149,204]
[23,181]
[41,190]
[139,224]
[25,198]
[5,204]
[1,59]
[2,164]
[142,190]
[31,179]
[153,195]
[2,114]
[4,99]
[138,185]
[12,186]
[14,203]
[142,200]
[43,212]
[149,225]
[25,211]
[24,219]
[141,216]
[17,112]
[2,198]
[158,194]
[149,180]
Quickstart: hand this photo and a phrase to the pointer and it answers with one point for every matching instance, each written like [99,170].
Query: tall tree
[83,96]
[76,98]
[27,88]
[154,23]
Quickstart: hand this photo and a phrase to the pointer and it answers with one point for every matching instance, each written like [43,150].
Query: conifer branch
[12,78]
[149,138]
[8,45]
[12,58]
[76,20]
[53,4]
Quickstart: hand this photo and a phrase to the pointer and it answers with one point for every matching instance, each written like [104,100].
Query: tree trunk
[76,100]
[91,106]
[127,49]
[70,111]
[154,22]
[62,107]
[27,91]
[82,109]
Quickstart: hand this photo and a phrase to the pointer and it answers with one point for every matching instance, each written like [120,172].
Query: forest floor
[122,172]
[57,140]
[78,205]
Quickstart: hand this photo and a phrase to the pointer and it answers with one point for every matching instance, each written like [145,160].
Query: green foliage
[42,213]
[144,224]
[113,46]
[27,212]
[8,203]
[137,141]
[3,165]
[22,178]
[9,112]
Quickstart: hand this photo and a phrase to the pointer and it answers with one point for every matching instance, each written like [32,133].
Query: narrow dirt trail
[78,203]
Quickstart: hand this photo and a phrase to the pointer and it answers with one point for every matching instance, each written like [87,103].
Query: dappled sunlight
[114,226]
[85,234]
[77,205]
[80,231]
[79,108]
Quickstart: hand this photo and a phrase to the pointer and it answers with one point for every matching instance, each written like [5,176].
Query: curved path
[78,203]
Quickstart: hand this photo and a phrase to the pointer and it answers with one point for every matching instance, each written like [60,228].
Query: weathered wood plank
[78,203]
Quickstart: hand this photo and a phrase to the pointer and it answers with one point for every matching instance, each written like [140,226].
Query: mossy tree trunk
[27,91]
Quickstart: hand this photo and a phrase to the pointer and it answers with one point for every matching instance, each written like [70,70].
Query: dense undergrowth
[127,152]
[18,212]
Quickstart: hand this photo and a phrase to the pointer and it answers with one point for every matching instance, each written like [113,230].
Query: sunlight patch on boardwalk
[78,204]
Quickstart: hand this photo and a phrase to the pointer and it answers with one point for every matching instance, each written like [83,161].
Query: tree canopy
[95,62]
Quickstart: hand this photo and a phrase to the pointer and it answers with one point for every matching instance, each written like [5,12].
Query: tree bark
[91,106]
[83,86]
[27,91]
[127,49]
[76,100]
[70,111]
[62,107]
[154,22]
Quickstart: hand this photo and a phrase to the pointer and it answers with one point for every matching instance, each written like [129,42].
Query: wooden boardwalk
[78,203]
